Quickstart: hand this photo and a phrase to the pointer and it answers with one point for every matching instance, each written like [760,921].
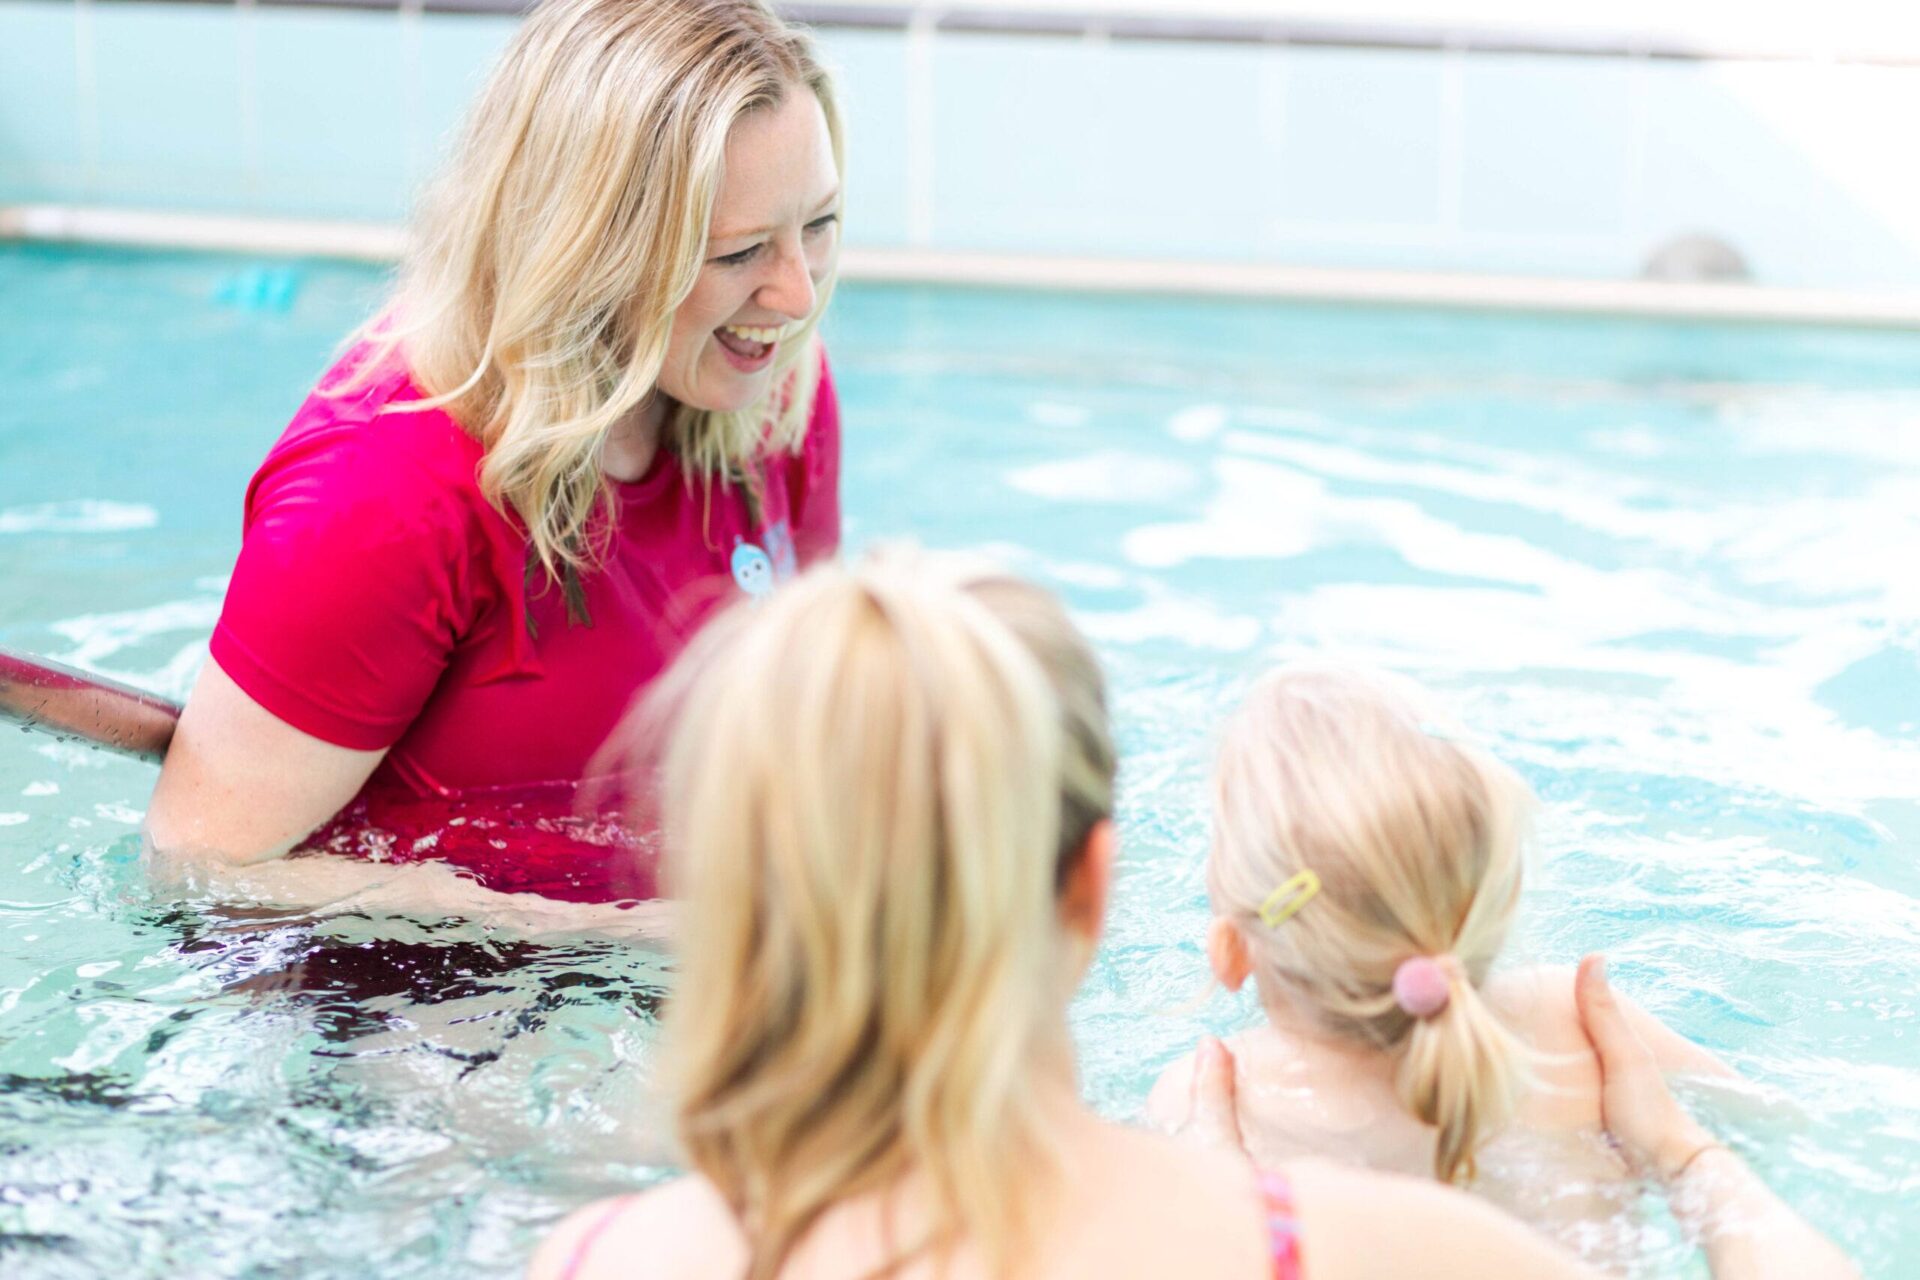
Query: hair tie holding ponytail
[1422,985]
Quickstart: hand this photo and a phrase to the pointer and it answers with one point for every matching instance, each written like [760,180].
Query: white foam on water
[84,516]
[1109,477]
[1197,423]
[97,637]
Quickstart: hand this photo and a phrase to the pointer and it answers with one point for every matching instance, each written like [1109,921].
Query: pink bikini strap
[584,1245]
[1283,1225]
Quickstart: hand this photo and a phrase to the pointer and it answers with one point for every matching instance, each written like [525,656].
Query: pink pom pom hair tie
[1420,986]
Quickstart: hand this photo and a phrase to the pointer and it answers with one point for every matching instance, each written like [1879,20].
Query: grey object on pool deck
[76,706]
[1696,258]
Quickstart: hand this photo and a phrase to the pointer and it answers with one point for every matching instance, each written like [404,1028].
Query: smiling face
[773,238]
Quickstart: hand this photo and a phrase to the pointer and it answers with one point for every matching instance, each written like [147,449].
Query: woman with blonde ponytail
[594,410]
[888,794]
[1365,870]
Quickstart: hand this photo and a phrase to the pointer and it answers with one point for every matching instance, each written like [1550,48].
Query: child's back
[1552,1165]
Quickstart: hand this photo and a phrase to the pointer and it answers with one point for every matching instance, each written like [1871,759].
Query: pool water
[1667,571]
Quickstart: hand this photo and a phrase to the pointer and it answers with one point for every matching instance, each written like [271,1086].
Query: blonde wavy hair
[875,784]
[1416,839]
[538,294]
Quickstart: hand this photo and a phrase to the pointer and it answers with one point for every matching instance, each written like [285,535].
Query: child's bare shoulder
[679,1231]
[1537,1002]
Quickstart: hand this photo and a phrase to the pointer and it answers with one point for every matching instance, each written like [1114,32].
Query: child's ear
[1227,953]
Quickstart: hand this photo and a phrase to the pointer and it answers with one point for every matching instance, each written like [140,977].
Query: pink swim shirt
[380,601]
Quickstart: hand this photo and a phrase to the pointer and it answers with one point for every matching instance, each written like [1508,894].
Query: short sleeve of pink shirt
[379,600]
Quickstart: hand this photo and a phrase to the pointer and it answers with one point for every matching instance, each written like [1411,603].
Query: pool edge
[382,242]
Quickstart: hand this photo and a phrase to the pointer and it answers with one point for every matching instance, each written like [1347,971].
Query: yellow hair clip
[1293,894]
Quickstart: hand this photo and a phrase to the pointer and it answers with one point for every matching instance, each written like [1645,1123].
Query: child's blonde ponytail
[1461,1071]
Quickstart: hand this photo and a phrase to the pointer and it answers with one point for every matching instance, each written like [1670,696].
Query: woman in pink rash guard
[594,411]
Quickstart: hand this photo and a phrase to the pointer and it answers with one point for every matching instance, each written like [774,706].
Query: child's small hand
[1655,1132]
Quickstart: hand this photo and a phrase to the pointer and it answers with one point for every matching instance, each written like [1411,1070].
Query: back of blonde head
[873,786]
[536,302]
[1416,840]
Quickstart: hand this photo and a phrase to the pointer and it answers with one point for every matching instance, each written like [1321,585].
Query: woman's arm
[240,785]
[1748,1232]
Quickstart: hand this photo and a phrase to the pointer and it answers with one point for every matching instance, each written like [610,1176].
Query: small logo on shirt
[752,570]
[758,571]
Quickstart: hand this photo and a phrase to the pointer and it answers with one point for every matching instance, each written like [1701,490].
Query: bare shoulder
[1147,1204]
[1209,1169]
[1437,1231]
[680,1231]
[1537,1002]
[1531,991]
[1193,1181]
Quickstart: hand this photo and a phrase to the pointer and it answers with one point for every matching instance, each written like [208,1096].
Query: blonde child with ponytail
[1365,870]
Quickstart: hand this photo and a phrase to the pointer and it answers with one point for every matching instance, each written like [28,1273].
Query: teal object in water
[271,289]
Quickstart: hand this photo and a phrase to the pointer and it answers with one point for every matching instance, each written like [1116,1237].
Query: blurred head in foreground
[887,797]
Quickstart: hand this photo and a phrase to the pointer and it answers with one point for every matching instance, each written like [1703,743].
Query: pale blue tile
[40,146]
[456,54]
[169,104]
[1548,145]
[1362,139]
[331,110]
[1072,146]
[870,80]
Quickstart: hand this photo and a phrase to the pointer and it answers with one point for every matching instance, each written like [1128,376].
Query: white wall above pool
[1511,149]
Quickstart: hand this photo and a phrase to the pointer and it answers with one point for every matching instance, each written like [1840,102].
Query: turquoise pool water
[1667,571]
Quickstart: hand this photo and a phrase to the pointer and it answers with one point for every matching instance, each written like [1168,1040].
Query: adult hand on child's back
[1639,1110]
[1213,1113]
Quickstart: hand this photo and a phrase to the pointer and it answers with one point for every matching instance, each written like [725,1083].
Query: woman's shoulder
[362,439]
[682,1230]
[372,423]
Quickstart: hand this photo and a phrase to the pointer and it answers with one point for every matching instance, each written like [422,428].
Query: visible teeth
[752,334]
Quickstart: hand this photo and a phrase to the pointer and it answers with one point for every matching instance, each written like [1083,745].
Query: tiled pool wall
[1234,143]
